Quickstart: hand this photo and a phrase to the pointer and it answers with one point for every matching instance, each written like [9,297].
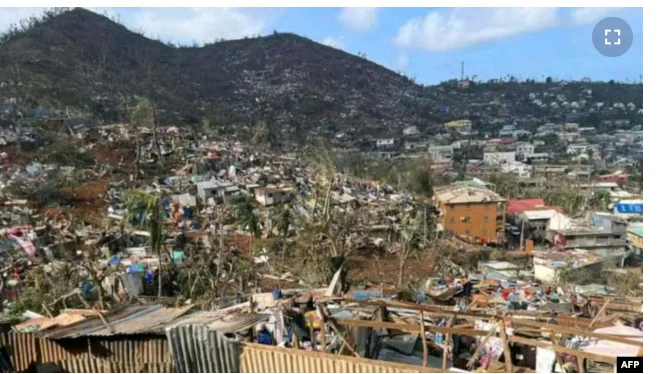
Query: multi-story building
[474,213]
[441,152]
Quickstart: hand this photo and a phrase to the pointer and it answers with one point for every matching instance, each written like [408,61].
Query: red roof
[518,206]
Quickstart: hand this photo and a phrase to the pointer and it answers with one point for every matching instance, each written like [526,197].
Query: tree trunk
[159,271]
[402,267]
[156,143]
[138,156]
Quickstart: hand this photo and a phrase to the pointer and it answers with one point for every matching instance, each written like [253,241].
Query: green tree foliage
[145,210]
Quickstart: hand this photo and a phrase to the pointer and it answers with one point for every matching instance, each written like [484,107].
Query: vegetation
[145,210]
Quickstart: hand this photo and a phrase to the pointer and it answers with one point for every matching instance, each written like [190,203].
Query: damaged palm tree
[409,241]
[145,209]
[142,114]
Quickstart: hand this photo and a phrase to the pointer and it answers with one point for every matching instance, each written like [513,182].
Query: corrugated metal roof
[225,323]
[89,325]
[197,349]
[153,319]
[150,321]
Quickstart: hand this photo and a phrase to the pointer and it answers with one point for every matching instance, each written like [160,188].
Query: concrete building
[476,214]
[213,189]
[499,158]
[441,152]
[411,130]
[523,149]
[537,158]
[272,196]
[385,143]
[554,267]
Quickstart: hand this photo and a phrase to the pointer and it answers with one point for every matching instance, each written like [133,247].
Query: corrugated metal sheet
[106,366]
[225,323]
[197,349]
[256,358]
[91,324]
[21,348]
[154,349]
[151,319]
[25,349]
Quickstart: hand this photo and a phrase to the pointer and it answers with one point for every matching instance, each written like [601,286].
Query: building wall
[544,273]
[481,220]
[499,157]
[636,240]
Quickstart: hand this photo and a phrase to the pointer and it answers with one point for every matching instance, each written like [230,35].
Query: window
[468,206]
[485,218]
[485,231]
[467,232]
[213,192]
[451,220]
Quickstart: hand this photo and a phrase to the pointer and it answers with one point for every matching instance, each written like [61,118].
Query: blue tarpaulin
[629,208]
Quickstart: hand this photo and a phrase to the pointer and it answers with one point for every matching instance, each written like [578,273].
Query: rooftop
[465,194]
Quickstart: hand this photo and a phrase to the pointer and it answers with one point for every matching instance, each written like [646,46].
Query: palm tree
[145,210]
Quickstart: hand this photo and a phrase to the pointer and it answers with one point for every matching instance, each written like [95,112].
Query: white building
[382,143]
[523,149]
[576,149]
[441,152]
[214,189]
[517,168]
[499,158]
[535,158]
[411,130]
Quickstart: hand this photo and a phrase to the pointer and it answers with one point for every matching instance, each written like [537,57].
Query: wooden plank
[409,328]
[425,350]
[448,342]
[507,350]
[475,355]
[600,312]
[572,352]
[571,331]
[331,322]
[559,358]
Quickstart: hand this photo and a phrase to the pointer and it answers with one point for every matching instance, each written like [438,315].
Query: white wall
[499,157]
[544,273]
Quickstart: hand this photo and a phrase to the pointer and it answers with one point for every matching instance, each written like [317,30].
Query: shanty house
[477,214]
[212,189]
[272,196]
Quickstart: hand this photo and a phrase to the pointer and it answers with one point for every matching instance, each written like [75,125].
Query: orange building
[474,213]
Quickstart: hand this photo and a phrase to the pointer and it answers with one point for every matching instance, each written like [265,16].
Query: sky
[427,44]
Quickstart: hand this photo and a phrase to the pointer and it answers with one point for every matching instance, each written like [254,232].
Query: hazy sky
[428,44]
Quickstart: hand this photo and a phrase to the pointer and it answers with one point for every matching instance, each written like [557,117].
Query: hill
[79,59]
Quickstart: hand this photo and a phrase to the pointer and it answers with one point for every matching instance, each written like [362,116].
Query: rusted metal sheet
[197,349]
[21,348]
[255,358]
[26,349]
[153,349]
[91,324]
[225,323]
[107,366]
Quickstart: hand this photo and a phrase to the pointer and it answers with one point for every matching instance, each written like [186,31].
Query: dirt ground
[87,202]
[367,267]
